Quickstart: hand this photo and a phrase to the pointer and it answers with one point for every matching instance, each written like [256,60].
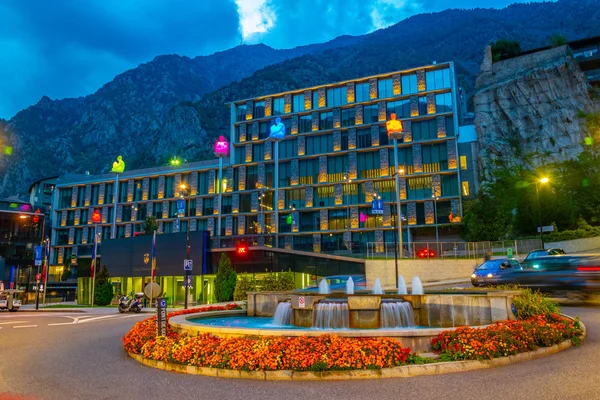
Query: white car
[8,300]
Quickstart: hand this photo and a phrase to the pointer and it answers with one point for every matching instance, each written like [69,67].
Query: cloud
[71,48]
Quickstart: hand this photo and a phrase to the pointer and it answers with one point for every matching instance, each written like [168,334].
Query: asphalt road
[85,360]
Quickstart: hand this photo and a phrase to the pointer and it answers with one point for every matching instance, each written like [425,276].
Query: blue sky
[70,48]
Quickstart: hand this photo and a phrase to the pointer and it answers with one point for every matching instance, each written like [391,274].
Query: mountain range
[175,105]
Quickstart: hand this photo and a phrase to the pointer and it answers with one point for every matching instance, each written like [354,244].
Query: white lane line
[25,326]
[81,321]
[75,319]
[13,322]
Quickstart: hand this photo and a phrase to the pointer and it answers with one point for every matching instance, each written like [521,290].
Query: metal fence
[453,250]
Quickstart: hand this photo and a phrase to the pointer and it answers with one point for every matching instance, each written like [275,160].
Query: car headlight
[489,275]
[473,276]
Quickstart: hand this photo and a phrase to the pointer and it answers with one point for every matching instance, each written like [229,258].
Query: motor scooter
[131,305]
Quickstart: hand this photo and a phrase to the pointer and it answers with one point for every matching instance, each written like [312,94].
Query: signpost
[377,206]
[38,276]
[161,317]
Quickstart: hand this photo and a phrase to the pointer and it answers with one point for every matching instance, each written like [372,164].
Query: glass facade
[335,157]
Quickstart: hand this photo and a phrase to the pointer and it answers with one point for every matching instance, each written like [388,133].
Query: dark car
[561,272]
[337,283]
[426,253]
[543,253]
[494,272]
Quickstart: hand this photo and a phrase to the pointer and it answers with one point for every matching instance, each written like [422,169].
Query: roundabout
[221,341]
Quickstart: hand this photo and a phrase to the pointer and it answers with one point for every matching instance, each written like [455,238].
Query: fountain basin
[433,314]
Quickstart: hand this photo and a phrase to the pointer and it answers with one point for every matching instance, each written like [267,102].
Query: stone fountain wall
[435,310]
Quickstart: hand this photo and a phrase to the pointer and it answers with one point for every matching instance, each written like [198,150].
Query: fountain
[401,285]
[331,315]
[350,286]
[283,314]
[377,287]
[413,319]
[417,286]
[397,314]
[324,287]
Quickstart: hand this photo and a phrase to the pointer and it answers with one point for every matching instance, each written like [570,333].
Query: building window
[465,188]
[409,84]
[463,162]
[439,79]
[362,92]
[241,113]
[443,102]
[278,106]
[370,114]
[259,109]
[326,120]
[298,103]
[336,97]
[348,117]
[385,88]
[305,124]
[400,107]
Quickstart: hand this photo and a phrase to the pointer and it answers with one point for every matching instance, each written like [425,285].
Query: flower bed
[331,352]
[506,338]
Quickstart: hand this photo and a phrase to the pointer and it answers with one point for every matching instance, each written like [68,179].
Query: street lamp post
[537,195]
[187,242]
[348,180]
[37,281]
[437,237]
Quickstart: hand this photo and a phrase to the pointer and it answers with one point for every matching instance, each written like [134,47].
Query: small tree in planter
[103,291]
[225,280]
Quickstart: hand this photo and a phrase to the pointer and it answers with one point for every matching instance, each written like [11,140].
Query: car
[9,300]
[337,283]
[495,272]
[426,253]
[543,253]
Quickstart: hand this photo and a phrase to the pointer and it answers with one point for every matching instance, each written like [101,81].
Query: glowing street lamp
[537,195]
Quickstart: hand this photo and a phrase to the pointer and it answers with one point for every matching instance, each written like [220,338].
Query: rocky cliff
[526,109]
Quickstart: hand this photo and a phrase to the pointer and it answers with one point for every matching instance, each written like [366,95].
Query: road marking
[13,322]
[75,319]
[81,321]
[25,326]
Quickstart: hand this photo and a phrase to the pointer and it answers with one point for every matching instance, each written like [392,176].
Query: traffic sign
[38,256]
[38,277]
[301,302]
[377,206]
[188,264]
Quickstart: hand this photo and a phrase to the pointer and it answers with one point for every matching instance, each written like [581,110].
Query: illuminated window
[465,188]
[463,162]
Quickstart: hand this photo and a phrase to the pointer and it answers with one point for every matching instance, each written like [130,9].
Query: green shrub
[246,283]
[103,289]
[226,279]
[530,303]
[278,282]
[103,294]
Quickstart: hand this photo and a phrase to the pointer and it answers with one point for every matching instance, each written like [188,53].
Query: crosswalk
[34,321]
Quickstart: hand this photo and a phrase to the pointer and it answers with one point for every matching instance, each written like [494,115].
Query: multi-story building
[21,227]
[335,158]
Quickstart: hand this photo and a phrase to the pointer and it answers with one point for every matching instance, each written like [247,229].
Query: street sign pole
[38,262]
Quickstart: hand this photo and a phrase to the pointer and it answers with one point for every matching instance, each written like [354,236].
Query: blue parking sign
[377,206]
[38,255]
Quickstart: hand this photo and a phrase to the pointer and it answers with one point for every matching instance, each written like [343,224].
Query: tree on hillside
[504,48]
[558,39]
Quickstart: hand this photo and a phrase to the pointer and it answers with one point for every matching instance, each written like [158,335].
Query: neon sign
[221,147]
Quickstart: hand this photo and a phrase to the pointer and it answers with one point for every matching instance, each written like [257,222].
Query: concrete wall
[576,245]
[427,270]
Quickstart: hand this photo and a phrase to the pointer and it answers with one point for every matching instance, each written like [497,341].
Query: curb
[405,371]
